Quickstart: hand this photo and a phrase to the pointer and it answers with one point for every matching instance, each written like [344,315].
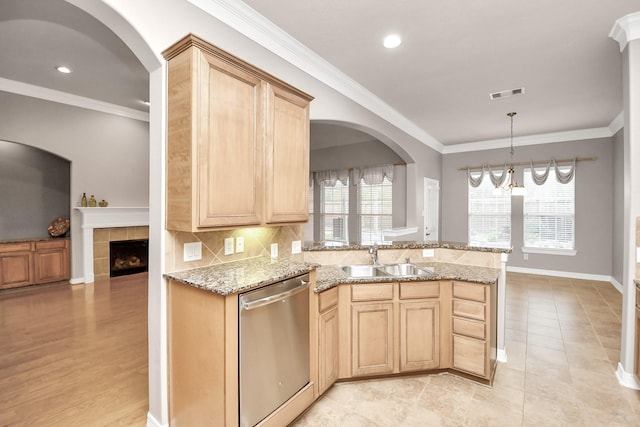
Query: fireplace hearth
[128,257]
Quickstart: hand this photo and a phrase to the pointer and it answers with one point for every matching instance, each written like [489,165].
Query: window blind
[489,216]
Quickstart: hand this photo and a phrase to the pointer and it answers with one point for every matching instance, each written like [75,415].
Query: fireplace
[128,257]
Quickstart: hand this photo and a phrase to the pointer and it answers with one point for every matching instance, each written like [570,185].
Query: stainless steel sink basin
[401,270]
[363,270]
[394,270]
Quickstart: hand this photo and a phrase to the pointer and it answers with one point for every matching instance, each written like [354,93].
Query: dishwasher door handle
[274,298]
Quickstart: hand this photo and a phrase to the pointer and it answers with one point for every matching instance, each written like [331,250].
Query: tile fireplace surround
[120,224]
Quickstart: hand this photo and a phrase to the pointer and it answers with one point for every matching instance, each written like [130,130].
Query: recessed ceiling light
[63,69]
[392,41]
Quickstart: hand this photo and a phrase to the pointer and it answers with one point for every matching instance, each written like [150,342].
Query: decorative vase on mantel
[83,201]
[92,202]
[103,203]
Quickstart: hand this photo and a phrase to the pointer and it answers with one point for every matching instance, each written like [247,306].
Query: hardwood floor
[75,355]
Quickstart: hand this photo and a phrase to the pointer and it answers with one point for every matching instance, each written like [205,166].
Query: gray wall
[109,154]
[34,190]
[594,200]
[618,207]
[359,155]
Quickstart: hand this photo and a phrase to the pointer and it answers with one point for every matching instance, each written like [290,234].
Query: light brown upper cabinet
[237,142]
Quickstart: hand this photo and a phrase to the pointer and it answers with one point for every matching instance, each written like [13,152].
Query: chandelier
[512,185]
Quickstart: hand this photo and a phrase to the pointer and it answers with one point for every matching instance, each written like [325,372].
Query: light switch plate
[228,246]
[296,247]
[239,245]
[274,250]
[428,253]
[192,251]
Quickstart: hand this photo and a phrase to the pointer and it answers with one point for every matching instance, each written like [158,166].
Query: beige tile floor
[563,341]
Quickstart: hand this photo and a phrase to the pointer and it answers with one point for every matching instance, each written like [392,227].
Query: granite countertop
[239,276]
[337,246]
[329,276]
[33,239]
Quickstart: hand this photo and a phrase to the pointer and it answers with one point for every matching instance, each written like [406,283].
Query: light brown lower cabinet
[474,329]
[419,335]
[327,349]
[203,360]
[372,338]
[34,262]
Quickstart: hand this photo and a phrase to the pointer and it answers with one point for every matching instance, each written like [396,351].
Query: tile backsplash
[257,242]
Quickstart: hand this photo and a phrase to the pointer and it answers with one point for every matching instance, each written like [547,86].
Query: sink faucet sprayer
[373,250]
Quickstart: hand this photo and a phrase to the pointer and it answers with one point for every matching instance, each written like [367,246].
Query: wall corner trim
[626,29]
[626,379]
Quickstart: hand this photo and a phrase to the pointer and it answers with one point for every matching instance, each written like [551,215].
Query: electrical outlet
[428,253]
[274,250]
[239,245]
[525,256]
[192,251]
[228,246]
[296,247]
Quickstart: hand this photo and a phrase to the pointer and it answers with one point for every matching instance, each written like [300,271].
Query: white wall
[109,154]
[593,218]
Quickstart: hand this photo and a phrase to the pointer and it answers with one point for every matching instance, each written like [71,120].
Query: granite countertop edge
[240,276]
[319,246]
[329,276]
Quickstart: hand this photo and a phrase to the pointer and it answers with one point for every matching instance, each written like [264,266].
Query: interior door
[431,209]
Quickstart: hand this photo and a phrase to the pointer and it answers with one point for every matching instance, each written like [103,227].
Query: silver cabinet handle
[275,298]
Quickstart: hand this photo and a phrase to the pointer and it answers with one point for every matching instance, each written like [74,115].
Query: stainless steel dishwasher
[274,346]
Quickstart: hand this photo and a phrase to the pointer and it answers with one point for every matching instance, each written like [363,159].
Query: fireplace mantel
[109,217]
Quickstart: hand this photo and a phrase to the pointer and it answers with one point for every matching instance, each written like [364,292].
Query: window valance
[371,175]
[331,177]
[562,177]
[496,180]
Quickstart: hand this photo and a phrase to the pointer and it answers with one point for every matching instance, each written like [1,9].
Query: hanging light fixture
[512,186]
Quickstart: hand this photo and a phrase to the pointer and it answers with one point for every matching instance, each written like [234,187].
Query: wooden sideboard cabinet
[237,144]
[34,262]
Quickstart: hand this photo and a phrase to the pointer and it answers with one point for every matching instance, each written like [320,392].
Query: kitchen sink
[389,270]
[363,270]
[406,270]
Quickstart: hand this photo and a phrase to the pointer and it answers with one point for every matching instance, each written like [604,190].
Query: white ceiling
[454,53]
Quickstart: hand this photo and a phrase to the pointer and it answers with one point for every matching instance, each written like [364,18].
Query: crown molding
[626,29]
[545,138]
[256,27]
[617,123]
[46,94]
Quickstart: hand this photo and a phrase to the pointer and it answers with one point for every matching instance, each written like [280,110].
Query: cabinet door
[470,355]
[51,265]
[372,338]
[328,349]
[419,335]
[15,269]
[287,157]
[229,141]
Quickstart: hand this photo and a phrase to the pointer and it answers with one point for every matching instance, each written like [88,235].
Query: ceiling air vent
[506,93]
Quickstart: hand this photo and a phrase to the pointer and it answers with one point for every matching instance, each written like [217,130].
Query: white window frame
[490,205]
[534,192]
[381,213]
[335,214]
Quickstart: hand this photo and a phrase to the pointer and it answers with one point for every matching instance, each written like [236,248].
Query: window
[375,206]
[489,216]
[334,212]
[549,212]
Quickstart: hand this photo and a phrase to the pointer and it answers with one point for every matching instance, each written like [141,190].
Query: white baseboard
[502,355]
[568,275]
[626,379]
[76,280]
[152,422]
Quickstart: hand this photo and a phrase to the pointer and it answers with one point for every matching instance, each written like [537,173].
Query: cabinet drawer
[470,291]
[469,328]
[327,299]
[469,355]
[51,244]
[472,310]
[410,290]
[15,247]
[372,292]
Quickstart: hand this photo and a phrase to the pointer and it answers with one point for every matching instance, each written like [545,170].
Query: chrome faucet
[373,250]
